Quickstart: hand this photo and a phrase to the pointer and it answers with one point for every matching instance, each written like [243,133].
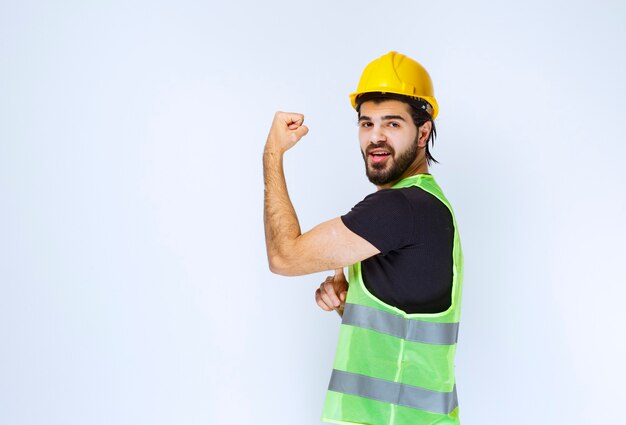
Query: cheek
[363,141]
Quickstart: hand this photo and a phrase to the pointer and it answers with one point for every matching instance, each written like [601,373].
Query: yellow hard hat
[399,74]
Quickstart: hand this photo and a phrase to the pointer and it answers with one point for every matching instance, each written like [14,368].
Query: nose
[377,135]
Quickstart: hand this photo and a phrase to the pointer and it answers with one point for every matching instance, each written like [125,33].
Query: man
[400,305]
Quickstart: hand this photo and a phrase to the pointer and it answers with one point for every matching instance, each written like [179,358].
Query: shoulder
[384,218]
[384,198]
[421,199]
[384,205]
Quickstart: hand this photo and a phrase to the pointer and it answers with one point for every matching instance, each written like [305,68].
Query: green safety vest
[394,368]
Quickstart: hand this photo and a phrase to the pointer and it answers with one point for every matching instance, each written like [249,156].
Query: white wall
[133,282]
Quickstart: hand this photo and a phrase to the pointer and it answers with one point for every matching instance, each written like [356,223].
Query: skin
[383,128]
[388,126]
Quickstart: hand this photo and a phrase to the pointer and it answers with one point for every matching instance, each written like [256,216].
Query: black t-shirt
[414,232]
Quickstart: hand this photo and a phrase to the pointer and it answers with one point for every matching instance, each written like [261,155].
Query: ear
[423,133]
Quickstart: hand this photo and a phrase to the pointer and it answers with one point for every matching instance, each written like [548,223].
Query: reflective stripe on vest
[393,392]
[394,368]
[390,324]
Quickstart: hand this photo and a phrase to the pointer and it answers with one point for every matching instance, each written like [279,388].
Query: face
[389,141]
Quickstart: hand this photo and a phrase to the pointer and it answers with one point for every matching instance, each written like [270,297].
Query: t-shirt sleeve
[384,219]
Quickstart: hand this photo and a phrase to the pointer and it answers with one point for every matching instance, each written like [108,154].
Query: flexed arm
[327,246]
[281,221]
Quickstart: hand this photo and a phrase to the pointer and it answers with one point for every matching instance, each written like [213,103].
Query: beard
[385,173]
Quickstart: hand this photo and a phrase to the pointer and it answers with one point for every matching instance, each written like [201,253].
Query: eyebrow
[383,118]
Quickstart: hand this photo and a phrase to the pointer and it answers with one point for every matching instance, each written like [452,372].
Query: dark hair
[419,112]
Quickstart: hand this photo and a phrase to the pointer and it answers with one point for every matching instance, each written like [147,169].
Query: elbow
[281,266]
[275,266]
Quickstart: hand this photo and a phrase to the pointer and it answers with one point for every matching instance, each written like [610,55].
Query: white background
[134,287]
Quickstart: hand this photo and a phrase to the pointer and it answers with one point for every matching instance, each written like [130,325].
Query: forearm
[328,245]
[281,222]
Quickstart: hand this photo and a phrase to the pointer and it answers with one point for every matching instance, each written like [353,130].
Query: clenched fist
[287,129]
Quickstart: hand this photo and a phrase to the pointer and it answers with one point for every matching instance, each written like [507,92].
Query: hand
[287,129]
[331,295]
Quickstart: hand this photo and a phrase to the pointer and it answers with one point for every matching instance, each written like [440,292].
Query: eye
[394,124]
[365,124]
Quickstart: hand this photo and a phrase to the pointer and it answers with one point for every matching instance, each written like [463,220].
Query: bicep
[327,246]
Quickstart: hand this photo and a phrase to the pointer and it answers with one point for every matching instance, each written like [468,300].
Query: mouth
[378,155]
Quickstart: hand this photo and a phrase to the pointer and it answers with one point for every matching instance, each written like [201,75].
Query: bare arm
[329,245]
